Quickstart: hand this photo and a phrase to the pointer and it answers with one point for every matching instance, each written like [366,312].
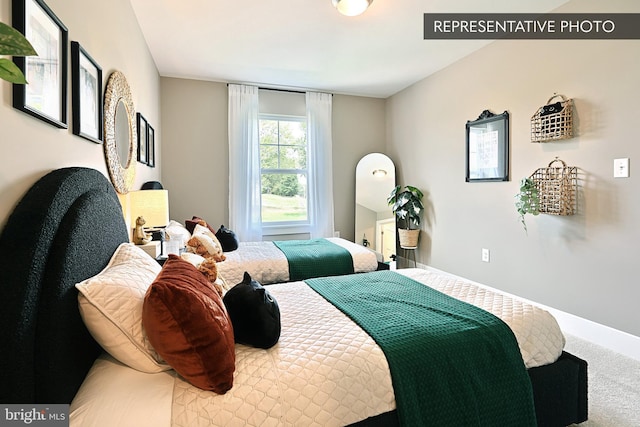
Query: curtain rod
[273,88]
[282,90]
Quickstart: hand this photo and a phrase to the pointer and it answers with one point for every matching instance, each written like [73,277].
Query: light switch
[621,168]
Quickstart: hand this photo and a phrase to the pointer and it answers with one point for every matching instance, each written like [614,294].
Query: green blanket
[451,363]
[315,258]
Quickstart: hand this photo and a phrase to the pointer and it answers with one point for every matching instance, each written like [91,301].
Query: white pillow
[111,307]
[193,259]
[178,232]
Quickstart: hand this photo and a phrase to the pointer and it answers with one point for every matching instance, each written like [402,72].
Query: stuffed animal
[208,267]
[204,243]
[141,237]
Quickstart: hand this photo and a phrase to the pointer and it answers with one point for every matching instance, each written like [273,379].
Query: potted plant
[12,42]
[406,204]
[527,200]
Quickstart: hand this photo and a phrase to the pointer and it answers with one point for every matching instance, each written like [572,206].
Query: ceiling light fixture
[351,7]
[379,173]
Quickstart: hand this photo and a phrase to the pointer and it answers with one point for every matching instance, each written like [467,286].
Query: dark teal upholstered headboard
[64,230]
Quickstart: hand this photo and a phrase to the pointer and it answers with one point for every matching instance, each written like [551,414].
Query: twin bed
[278,261]
[268,264]
[325,369]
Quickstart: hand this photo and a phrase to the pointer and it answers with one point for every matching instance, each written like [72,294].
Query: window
[283,170]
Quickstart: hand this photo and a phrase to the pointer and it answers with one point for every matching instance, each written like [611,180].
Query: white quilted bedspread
[267,264]
[537,332]
[326,371]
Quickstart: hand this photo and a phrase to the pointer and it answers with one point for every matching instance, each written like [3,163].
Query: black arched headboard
[64,230]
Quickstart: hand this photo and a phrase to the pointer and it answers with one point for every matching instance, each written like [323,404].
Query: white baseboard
[605,336]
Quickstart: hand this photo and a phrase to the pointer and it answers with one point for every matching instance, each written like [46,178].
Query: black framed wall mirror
[488,147]
[375,226]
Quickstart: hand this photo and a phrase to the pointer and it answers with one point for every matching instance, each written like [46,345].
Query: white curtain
[320,165]
[244,163]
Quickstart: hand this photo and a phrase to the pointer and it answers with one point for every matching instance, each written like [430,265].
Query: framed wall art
[142,139]
[86,88]
[151,146]
[488,147]
[45,95]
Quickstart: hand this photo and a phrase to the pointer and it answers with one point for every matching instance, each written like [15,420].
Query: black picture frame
[487,149]
[142,138]
[45,96]
[151,146]
[86,94]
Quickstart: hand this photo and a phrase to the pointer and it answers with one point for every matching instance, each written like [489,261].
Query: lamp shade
[351,7]
[152,205]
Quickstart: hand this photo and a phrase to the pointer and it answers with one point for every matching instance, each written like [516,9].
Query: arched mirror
[120,133]
[375,223]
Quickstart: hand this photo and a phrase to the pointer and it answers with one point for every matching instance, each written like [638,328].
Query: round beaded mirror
[120,133]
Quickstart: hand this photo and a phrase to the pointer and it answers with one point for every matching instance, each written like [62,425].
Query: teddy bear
[208,267]
[204,243]
[210,270]
[141,237]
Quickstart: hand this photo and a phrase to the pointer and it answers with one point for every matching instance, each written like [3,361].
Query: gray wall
[30,147]
[582,264]
[196,170]
[196,165]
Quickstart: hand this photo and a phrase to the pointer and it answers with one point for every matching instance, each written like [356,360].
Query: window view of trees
[283,163]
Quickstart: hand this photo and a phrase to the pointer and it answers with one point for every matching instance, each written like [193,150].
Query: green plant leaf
[391,200]
[10,72]
[527,200]
[406,205]
[12,42]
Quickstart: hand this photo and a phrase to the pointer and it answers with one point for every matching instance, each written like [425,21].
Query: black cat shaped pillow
[227,239]
[254,314]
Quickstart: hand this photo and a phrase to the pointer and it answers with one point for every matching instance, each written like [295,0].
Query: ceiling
[307,44]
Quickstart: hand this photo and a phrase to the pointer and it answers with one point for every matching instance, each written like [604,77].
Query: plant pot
[408,238]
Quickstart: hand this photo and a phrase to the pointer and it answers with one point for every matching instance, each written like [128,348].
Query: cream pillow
[111,307]
[177,232]
[193,259]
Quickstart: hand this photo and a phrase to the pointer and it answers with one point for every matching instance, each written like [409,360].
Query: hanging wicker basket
[553,121]
[556,187]
[408,238]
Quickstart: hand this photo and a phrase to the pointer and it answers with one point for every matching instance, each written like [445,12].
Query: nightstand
[383,266]
[152,248]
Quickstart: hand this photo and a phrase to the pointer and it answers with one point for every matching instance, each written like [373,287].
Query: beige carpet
[613,384]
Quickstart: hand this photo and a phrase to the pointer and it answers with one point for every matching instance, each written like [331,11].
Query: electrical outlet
[621,168]
[485,255]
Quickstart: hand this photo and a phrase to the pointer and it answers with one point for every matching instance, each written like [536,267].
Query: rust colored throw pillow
[188,325]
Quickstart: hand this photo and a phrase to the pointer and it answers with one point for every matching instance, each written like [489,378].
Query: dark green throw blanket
[451,363]
[315,258]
